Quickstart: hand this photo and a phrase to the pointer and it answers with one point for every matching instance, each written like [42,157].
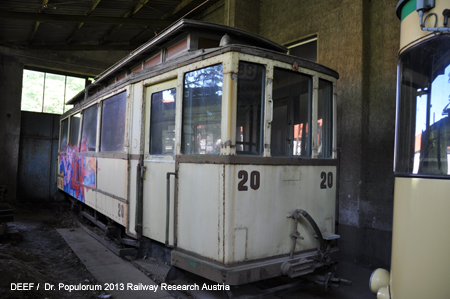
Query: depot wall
[10,115]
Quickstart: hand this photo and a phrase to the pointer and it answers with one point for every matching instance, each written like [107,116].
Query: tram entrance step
[329,236]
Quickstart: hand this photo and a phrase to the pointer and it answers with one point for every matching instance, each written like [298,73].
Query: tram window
[74,130]
[162,122]
[113,123]
[291,114]
[89,130]
[250,108]
[64,133]
[202,109]
[325,119]
[423,122]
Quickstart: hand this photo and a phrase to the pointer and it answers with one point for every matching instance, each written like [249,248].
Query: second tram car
[420,262]
[215,144]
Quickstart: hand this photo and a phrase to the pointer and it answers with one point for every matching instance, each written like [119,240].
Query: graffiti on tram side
[77,170]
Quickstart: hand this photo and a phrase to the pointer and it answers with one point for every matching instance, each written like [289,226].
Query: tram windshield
[202,108]
[423,122]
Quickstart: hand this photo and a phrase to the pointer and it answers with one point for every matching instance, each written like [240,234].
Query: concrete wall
[11,90]
[359,39]
[243,14]
[12,63]
[39,133]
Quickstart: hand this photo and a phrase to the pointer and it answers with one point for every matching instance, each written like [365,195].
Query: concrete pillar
[242,14]
[10,100]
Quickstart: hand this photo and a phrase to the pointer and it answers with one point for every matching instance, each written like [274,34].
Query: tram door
[159,160]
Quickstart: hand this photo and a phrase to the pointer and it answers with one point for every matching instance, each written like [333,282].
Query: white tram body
[419,261]
[211,150]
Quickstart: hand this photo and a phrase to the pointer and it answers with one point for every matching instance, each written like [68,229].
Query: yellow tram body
[215,177]
[419,261]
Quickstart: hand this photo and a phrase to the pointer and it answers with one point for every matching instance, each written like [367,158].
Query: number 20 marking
[327,180]
[254,180]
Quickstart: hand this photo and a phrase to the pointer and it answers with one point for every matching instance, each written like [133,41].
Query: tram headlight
[380,278]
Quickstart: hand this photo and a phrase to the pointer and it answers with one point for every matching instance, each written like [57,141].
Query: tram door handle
[143,169]
[270,118]
[168,205]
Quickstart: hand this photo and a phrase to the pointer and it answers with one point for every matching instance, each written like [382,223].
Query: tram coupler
[295,233]
[299,268]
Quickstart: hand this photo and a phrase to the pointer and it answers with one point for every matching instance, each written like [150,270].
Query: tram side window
[291,114]
[89,130]
[250,108]
[64,133]
[423,121]
[75,121]
[202,109]
[325,119]
[113,123]
[162,122]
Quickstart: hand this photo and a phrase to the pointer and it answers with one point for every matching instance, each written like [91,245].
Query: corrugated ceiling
[92,24]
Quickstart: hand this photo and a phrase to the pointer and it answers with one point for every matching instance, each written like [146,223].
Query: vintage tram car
[214,143]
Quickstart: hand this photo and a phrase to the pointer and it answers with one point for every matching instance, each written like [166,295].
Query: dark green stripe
[408,8]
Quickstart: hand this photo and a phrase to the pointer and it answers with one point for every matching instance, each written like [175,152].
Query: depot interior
[358,39]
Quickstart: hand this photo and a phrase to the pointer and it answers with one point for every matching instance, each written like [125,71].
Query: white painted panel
[135,103]
[262,212]
[240,244]
[132,198]
[154,216]
[200,217]
[112,208]
[90,197]
[112,176]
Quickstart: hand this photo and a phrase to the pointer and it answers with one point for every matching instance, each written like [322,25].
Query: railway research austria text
[117,287]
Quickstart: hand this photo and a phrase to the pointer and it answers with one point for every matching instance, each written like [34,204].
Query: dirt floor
[37,254]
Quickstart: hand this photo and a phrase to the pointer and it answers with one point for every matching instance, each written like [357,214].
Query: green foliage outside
[46,92]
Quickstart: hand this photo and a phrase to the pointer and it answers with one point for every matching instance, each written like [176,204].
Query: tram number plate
[244,178]
[327,180]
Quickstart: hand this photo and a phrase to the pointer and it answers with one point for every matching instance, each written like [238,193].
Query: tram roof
[241,41]
[185,26]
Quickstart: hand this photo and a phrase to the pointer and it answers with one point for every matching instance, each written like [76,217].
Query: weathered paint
[200,226]
[154,210]
[252,224]
[262,212]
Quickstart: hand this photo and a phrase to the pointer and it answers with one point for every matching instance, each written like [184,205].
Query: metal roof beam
[179,7]
[129,14]
[36,25]
[210,9]
[10,15]
[87,12]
